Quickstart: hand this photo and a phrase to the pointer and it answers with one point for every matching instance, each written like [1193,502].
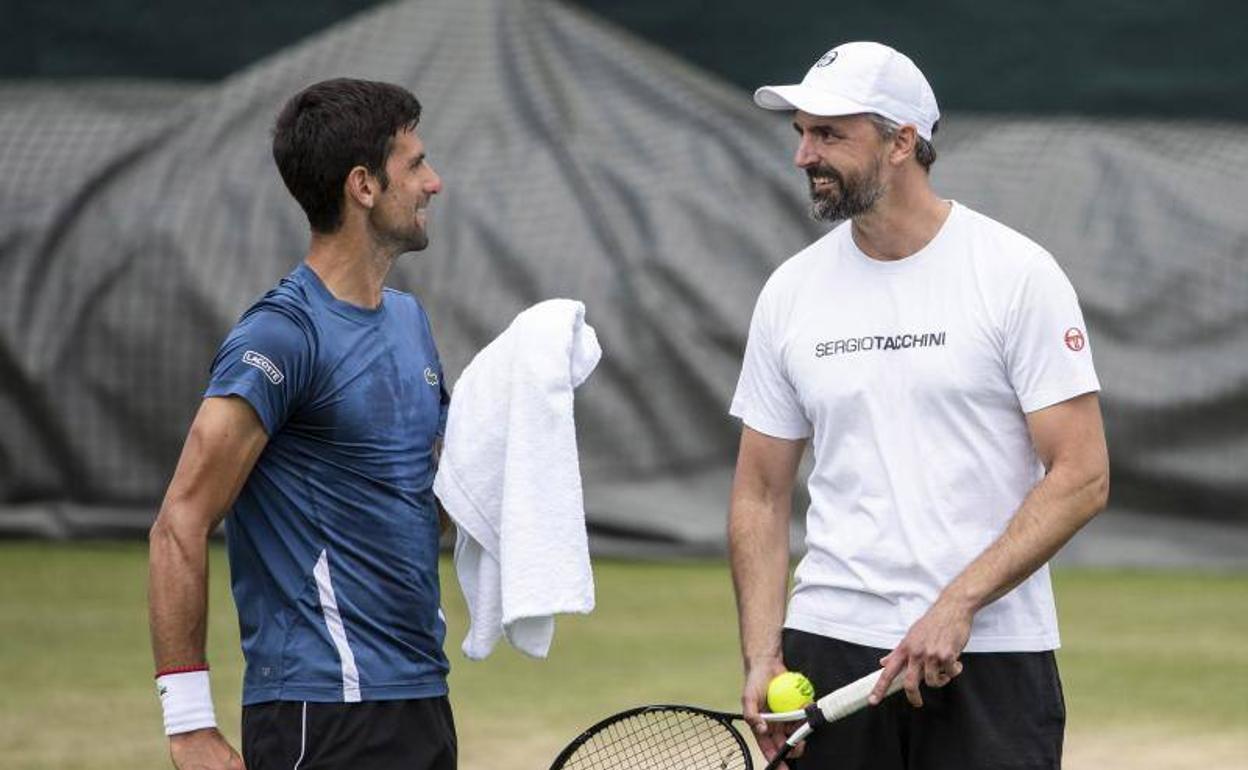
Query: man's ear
[904,145]
[361,187]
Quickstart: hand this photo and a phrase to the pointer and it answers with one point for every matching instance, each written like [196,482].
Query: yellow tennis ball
[789,691]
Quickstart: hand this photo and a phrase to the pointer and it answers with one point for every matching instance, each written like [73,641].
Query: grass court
[1154,664]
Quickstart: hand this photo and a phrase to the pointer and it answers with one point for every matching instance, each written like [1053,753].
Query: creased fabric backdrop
[137,222]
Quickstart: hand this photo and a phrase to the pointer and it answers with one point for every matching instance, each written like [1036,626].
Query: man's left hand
[928,653]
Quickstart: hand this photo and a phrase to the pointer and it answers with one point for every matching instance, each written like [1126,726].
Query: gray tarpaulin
[137,223]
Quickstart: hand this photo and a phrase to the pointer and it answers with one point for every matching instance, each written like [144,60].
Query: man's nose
[434,185]
[805,156]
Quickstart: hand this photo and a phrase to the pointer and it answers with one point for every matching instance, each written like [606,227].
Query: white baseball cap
[854,78]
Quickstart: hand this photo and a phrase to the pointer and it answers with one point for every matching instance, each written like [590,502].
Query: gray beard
[857,197]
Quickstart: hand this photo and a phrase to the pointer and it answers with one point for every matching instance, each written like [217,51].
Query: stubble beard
[406,237]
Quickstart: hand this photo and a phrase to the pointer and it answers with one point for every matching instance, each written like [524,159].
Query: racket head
[659,737]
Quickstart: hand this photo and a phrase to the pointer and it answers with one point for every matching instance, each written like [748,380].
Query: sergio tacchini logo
[827,58]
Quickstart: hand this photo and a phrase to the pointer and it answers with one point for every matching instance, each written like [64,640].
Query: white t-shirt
[914,377]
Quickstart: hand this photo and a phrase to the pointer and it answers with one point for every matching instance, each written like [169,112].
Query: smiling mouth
[824,184]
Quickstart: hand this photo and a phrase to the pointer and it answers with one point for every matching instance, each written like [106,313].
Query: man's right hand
[769,735]
[203,750]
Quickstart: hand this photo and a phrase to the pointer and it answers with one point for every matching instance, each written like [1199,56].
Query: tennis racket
[691,738]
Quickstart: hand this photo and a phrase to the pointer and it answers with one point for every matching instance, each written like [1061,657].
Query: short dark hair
[924,150]
[331,127]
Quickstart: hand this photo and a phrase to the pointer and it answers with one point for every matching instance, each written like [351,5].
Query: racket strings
[661,740]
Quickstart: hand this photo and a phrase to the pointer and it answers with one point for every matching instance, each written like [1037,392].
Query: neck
[351,265]
[905,220]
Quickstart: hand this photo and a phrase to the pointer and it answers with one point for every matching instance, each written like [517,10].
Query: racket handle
[853,696]
[835,705]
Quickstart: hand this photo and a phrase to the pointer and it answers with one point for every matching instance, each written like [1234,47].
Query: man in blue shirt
[318,435]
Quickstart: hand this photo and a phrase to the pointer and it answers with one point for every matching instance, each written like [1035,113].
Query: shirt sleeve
[765,398]
[1047,351]
[267,360]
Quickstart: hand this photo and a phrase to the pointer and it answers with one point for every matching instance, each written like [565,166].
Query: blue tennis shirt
[333,540]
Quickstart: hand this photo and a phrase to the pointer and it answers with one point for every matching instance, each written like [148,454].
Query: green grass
[1141,649]
[1155,646]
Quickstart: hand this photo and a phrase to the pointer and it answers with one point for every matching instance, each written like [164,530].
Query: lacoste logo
[252,358]
[161,690]
[826,59]
[1074,339]
[431,376]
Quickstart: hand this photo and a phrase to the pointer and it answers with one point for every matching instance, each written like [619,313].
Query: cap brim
[806,99]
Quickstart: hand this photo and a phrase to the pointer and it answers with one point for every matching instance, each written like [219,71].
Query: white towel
[510,479]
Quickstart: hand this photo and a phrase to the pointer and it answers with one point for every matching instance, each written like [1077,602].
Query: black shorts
[373,735]
[1005,710]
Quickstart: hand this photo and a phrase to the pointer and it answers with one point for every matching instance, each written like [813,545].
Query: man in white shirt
[938,364]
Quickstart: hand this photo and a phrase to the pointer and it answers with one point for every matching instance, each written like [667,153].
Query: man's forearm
[1055,509]
[177,596]
[758,544]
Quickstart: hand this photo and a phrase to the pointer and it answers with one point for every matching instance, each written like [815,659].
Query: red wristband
[181,670]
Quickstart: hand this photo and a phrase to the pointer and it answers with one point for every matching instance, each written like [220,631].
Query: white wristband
[186,698]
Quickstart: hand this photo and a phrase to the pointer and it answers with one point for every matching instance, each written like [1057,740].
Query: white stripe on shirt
[333,621]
